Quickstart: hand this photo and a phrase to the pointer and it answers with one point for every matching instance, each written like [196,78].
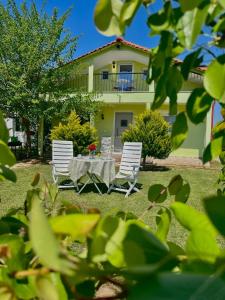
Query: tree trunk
[26,124]
[40,136]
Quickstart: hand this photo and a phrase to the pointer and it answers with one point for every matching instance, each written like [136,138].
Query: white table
[97,169]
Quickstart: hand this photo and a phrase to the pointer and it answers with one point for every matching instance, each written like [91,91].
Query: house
[116,73]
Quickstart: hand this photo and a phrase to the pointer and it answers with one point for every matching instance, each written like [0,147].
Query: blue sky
[81,23]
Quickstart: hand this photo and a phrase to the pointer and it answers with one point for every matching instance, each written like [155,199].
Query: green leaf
[148,248]
[198,105]
[190,25]
[24,291]
[36,179]
[163,224]
[175,184]
[175,249]
[183,194]
[173,286]
[7,173]
[101,237]
[6,156]
[43,240]
[179,130]
[191,61]
[192,219]
[4,133]
[215,208]
[213,149]
[106,16]
[174,82]
[222,2]
[46,289]
[13,247]
[190,4]
[78,226]
[202,245]
[157,193]
[215,77]
[160,21]
[128,11]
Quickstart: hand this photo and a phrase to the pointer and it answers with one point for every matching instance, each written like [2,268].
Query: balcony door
[125,77]
[122,121]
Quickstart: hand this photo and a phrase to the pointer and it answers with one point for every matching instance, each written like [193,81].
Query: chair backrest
[62,152]
[106,145]
[131,157]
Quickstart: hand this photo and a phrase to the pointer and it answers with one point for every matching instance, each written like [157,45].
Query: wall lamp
[102,116]
[113,64]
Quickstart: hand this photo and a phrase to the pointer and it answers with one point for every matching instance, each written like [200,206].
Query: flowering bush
[82,135]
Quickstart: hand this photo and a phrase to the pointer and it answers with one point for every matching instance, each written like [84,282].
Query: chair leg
[55,178]
[110,188]
[132,187]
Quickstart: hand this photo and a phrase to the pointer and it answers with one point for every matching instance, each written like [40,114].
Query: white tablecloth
[102,167]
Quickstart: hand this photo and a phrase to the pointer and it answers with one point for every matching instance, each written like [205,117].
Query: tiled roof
[122,41]
[119,40]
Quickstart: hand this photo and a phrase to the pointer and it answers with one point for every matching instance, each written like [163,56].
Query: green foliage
[82,135]
[215,77]
[180,24]
[45,266]
[153,131]
[7,158]
[143,263]
[179,130]
[33,44]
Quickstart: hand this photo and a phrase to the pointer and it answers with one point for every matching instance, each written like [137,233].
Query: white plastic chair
[129,168]
[62,153]
[106,146]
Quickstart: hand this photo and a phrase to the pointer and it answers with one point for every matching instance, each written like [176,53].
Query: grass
[202,181]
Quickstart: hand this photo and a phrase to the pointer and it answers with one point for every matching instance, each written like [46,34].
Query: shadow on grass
[90,187]
[155,168]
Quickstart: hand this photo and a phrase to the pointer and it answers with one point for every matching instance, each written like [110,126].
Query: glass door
[125,77]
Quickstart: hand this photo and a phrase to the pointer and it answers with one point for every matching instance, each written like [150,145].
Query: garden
[164,242]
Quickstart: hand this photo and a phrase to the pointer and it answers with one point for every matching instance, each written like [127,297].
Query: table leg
[92,177]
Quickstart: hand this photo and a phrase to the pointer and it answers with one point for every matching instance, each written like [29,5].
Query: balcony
[120,82]
[109,82]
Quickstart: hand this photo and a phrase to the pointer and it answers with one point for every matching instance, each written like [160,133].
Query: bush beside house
[153,131]
[82,135]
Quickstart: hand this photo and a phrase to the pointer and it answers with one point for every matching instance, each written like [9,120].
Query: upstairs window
[105,75]
[126,68]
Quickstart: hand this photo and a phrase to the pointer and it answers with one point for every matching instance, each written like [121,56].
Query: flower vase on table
[92,151]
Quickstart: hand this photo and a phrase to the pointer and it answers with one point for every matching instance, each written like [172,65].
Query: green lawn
[202,183]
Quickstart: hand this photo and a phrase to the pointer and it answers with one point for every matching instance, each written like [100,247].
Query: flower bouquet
[92,150]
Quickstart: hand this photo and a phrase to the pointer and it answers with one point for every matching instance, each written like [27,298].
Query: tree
[34,49]
[153,131]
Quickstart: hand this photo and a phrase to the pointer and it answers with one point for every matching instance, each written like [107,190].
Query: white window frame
[125,64]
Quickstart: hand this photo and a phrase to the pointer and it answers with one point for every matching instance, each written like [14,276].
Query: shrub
[82,135]
[153,131]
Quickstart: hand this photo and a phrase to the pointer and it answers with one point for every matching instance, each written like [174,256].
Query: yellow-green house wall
[137,102]
[192,147]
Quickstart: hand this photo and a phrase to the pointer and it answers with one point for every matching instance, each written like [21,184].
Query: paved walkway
[170,161]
